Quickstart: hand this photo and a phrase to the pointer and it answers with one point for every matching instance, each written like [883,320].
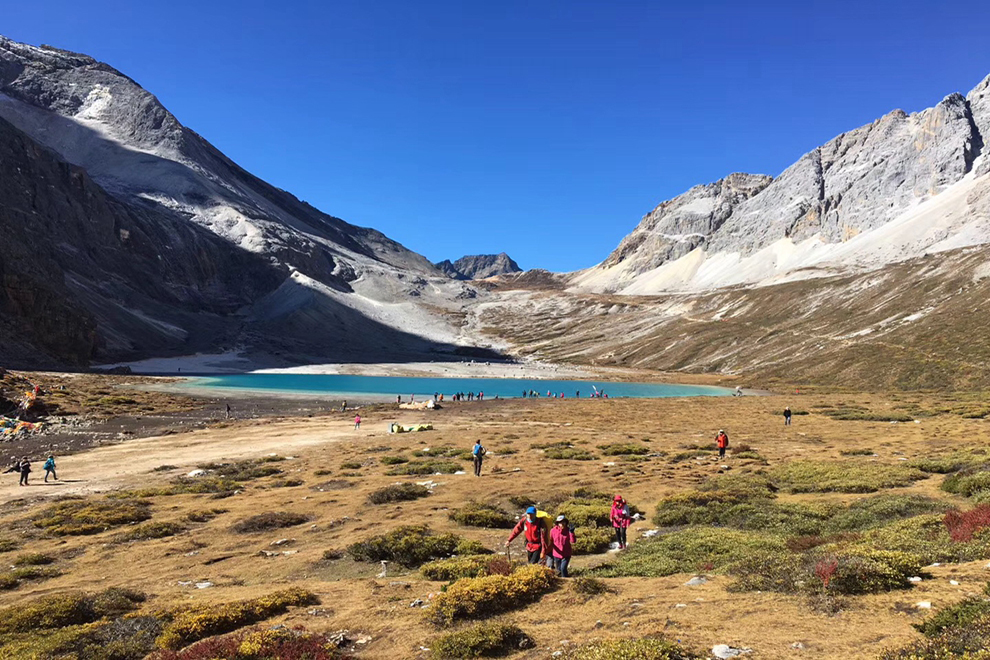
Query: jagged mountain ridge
[829,211]
[186,250]
[479,266]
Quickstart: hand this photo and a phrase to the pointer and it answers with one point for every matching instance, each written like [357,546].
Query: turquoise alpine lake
[387,388]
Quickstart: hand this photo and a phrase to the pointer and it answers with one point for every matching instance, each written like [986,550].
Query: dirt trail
[126,464]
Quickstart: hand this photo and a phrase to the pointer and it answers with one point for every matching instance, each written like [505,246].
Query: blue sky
[544,129]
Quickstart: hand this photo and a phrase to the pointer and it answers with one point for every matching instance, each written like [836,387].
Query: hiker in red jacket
[537,536]
[722,440]
[620,519]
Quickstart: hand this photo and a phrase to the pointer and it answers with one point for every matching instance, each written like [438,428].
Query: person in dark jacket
[536,533]
[787,416]
[25,470]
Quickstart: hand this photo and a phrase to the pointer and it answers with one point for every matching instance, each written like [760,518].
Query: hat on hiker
[531,510]
[561,518]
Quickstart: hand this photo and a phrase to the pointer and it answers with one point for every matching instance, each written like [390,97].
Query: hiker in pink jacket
[620,519]
[561,539]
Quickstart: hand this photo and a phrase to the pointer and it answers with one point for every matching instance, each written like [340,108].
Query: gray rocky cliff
[479,266]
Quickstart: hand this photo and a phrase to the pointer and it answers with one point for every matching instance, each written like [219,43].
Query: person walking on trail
[787,416]
[357,422]
[478,453]
[561,540]
[722,442]
[227,412]
[537,536]
[620,520]
[25,468]
[50,467]
[343,406]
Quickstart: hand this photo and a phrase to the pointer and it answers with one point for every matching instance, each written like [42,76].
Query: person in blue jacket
[478,453]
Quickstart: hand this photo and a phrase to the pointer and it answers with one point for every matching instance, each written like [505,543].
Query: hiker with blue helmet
[536,533]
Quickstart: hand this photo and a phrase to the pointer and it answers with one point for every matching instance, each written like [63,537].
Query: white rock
[695,581]
[954,583]
[924,605]
[914,579]
[680,605]
[724,651]
[204,585]
[196,473]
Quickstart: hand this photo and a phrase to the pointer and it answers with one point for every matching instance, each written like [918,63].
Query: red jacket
[722,440]
[537,536]
[620,514]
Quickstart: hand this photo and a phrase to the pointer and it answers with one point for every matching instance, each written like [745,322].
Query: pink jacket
[560,542]
[617,516]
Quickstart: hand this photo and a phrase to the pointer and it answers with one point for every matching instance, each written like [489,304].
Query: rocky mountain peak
[479,266]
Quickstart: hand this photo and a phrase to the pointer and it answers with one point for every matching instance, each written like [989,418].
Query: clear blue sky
[545,129]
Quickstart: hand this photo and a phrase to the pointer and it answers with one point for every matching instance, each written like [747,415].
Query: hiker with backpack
[478,453]
[620,518]
[534,528]
[561,541]
[25,469]
[787,416]
[50,467]
[722,442]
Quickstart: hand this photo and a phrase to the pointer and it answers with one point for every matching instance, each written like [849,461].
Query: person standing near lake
[537,536]
[50,467]
[561,539]
[722,442]
[620,518]
[25,469]
[357,422]
[787,416]
[478,453]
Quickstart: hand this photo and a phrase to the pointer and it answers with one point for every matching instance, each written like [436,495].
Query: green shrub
[350,465]
[592,540]
[689,550]
[445,451]
[806,476]
[191,625]
[962,614]
[851,414]
[647,648]
[426,468]
[81,517]
[394,460]
[623,449]
[682,456]
[34,559]
[477,514]
[412,546]
[480,641]
[470,598]
[203,515]
[742,511]
[867,571]
[269,520]
[35,573]
[151,530]
[8,545]
[585,513]
[456,568]
[751,484]
[856,452]
[66,609]
[968,482]
[951,462]
[398,493]
[970,641]
[568,454]
[750,455]
[245,470]
[881,510]
[927,537]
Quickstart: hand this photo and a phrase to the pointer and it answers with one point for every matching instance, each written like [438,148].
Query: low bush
[968,482]
[219,487]
[82,517]
[445,451]
[245,470]
[969,641]
[752,484]
[592,540]
[67,609]
[260,644]
[8,545]
[456,568]
[856,452]
[269,520]
[191,625]
[880,510]
[33,559]
[568,454]
[285,483]
[147,531]
[951,462]
[477,514]
[412,546]
[927,537]
[470,598]
[589,587]
[806,476]
[398,493]
[963,525]
[480,641]
[647,648]
[394,460]
[204,515]
[350,465]
[620,449]
[126,638]
[742,511]
[426,468]
[867,571]
[34,573]
[750,455]
[854,415]
[962,614]
[682,456]
[687,551]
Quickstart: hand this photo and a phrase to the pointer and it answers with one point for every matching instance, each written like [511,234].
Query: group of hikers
[533,394]
[23,467]
[554,546]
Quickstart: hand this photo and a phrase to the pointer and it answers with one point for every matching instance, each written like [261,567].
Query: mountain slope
[185,249]
[831,211]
